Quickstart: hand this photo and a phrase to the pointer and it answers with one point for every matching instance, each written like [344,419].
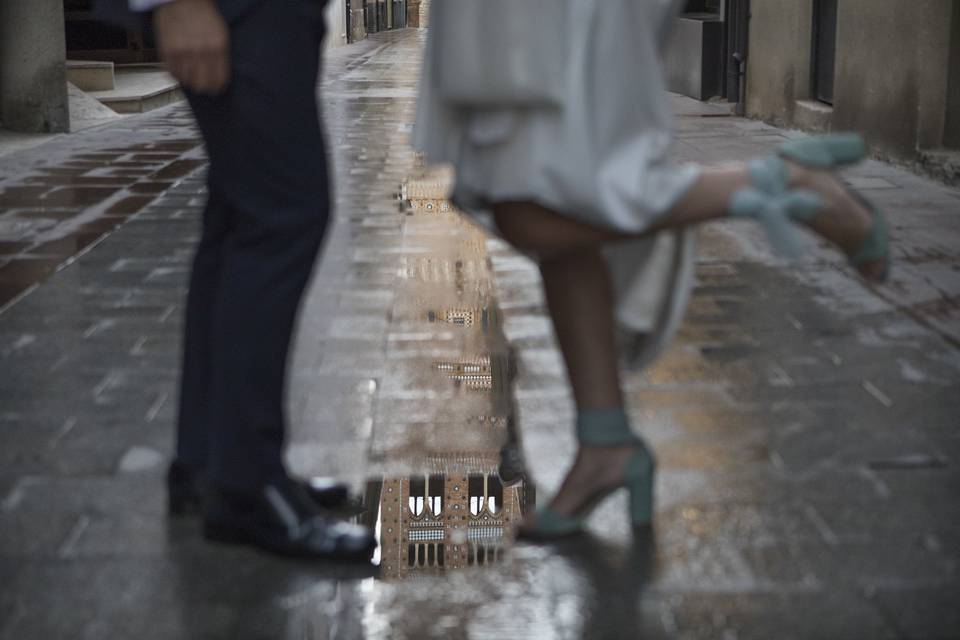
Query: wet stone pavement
[806,427]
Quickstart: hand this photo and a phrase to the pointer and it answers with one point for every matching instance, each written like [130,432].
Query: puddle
[431,523]
[466,491]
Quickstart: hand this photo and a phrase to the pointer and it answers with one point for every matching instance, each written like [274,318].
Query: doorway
[736,41]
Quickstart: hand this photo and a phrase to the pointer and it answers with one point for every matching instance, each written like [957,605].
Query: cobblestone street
[806,426]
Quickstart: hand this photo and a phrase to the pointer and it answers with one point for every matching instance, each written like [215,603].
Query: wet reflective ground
[806,428]
[66,198]
[442,409]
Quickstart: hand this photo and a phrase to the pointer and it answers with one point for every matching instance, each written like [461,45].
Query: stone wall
[358,29]
[892,74]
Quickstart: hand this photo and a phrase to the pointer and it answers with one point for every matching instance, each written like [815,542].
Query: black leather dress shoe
[281,518]
[186,489]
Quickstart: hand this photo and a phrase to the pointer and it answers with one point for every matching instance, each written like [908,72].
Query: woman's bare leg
[534,228]
[580,298]
[845,221]
[580,295]
[581,301]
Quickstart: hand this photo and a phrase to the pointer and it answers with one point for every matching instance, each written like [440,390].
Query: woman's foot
[596,472]
[845,221]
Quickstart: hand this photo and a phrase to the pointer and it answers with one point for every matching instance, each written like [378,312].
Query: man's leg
[218,120]
[269,166]
[193,425]
[268,173]
[185,476]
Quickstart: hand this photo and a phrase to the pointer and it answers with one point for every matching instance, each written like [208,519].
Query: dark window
[702,6]
[824,49]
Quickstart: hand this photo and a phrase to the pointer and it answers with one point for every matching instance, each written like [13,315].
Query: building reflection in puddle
[431,523]
[457,513]
[470,373]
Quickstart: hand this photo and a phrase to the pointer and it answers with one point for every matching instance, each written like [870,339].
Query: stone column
[33,76]
[358,28]
[336,24]
[424,14]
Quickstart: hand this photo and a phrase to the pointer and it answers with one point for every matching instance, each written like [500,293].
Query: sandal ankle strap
[604,427]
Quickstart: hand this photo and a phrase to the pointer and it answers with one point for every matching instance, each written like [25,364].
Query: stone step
[86,112]
[139,88]
[90,75]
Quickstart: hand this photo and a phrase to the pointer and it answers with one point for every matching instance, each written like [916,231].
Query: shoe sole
[545,538]
[221,534]
[187,506]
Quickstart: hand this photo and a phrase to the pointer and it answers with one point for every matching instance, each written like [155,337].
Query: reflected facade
[436,522]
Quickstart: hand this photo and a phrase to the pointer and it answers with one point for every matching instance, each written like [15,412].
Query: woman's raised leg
[845,220]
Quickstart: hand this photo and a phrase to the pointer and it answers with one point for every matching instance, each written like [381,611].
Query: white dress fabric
[602,158]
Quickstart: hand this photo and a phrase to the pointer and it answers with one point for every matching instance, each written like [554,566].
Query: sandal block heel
[640,483]
[832,151]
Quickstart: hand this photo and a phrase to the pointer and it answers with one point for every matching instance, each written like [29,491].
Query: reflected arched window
[479,554]
[494,494]
[477,493]
[423,554]
[416,505]
[426,495]
[486,494]
[435,490]
[418,488]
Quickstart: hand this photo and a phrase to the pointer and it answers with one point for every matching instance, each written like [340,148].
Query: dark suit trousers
[262,228]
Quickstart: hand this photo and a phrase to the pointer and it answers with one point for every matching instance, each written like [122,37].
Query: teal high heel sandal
[826,152]
[771,202]
[638,479]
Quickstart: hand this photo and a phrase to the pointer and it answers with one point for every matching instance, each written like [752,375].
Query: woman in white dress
[584,185]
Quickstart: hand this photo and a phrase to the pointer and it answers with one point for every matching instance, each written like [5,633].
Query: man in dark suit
[250,71]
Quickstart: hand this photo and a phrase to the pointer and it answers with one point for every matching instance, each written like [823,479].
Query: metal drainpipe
[741,61]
